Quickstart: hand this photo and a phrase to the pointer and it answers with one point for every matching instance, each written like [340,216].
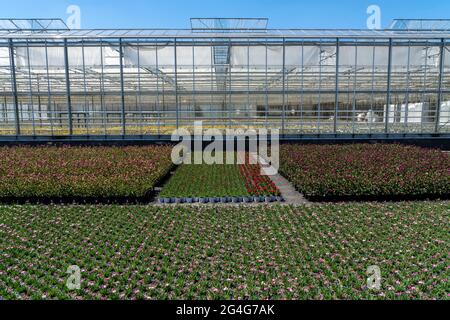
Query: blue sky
[176,13]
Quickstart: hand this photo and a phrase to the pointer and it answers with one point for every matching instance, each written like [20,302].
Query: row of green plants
[219,180]
[204,180]
[48,172]
[359,170]
[237,252]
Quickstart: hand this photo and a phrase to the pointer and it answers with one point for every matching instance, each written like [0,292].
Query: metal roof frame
[36,24]
[188,33]
[420,24]
[229,24]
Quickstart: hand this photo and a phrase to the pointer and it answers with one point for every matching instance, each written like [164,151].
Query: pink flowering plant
[366,170]
[81,171]
[235,252]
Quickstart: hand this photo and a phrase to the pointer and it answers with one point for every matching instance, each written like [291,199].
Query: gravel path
[290,195]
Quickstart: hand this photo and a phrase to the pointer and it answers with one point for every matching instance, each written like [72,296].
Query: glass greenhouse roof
[229,24]
[420,24]
[189,33]
[32,24]
[223,28]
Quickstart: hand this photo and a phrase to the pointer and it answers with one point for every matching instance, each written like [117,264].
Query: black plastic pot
[234,200]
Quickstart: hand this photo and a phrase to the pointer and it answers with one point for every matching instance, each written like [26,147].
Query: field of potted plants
[90,172]
[211,183]
[237,252]
[364,171]
[265,251]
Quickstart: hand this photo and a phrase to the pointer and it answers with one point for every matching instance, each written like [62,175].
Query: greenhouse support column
[266,84]
[283,115]
[439,98]
[388,96]
[176,85]
[14,87]
[122,89]
[69,99]
[336,95]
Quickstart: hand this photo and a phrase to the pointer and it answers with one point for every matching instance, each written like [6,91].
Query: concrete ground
[290,195]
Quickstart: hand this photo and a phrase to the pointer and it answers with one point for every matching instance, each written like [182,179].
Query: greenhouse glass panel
[115,84]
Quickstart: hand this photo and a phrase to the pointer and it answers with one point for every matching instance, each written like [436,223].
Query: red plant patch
[255,182]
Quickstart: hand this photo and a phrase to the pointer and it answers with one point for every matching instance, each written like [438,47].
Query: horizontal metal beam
[188,33]
[226,41]
[168,93]
[435,140]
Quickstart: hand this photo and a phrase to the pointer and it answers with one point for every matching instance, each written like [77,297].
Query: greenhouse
[57,83]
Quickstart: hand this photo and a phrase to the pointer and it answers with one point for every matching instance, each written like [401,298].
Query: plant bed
[362,172]
[382,198]
[273,252]
[219,181]
[82,174]
[78,200]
